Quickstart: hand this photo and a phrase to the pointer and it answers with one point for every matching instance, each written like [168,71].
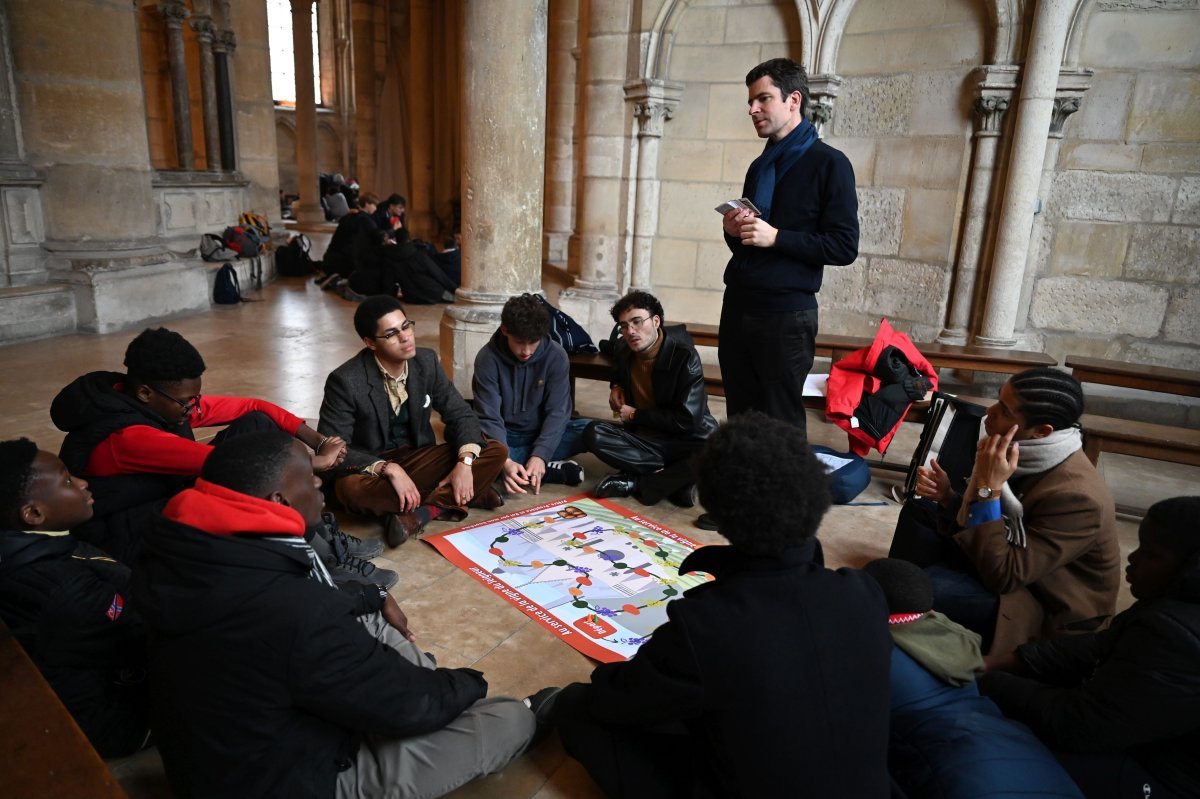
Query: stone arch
[1079,23]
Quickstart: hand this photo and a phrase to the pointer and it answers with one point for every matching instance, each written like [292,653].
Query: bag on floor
[212,248]
[245,241]
[292,259]
[259,224]
[848,473]
[226,288]
[566,331]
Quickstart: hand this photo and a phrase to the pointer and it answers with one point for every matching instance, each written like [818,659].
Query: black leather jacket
[680,404]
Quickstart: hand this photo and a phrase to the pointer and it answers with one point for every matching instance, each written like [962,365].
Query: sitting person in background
[657,391]
[522,388]
[352,244]
[450,258]
[1121,707]
[947,741]
[1030,551]
[65,601]
[267,681]
[771,680]
[389,217]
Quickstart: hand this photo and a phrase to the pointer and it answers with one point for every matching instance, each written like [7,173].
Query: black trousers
[663,465]
[765,358]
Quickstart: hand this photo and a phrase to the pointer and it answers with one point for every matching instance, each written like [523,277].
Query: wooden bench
[45,752]
[1128,437]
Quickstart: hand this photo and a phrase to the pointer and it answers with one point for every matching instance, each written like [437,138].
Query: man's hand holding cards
[737,205]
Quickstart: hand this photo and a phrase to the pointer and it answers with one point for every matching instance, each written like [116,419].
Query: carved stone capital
[823,91]
[989,112]
[225,42]
[1068,96]
[174,12]
[1063,108]
[654,102]
[205,30]
[994,95]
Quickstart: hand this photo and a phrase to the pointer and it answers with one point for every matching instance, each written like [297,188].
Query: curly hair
[761,483]
[161,355]
[638,299]
[1174,523]
[16,479]
[1048,396]
[525,318]
[371,310]
[252,464]
[905,585]
[786,74]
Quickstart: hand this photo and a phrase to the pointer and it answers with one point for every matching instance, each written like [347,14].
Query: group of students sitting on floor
[196,595]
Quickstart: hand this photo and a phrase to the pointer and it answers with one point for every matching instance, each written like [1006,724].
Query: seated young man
[1030,551]
[264,679]
[657,391]
[947,741]
[381,401]
[1121,707]
[65,601]
[769,681]
[522,388]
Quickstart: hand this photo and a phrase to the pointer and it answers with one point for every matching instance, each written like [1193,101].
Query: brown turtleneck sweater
[643,367]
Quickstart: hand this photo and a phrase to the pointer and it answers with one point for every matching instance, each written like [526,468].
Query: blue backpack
[566,331]
[848,474]
[226,289]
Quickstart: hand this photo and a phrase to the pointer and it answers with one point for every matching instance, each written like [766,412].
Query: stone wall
[1118,272]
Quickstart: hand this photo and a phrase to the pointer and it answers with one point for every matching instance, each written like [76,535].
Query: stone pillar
[174,13]
[654,102]
[823,91]
[994,96]
[504,151]
[601,202]
[22,232]
[202,24]
[1072,83]
[362,46]
[419,211]
[562,55]
[1039,82]
[309,209]
[223,48]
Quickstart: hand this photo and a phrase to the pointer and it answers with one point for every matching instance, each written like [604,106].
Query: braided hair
[1048,396]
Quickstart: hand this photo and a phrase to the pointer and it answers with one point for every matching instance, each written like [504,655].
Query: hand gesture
[462,481]
[627,413]
[731,221]
[933,483]
[616,398]
[332,453]
[405,488]
[996,460]
[536,469]
[754,232]
[394,616]
[515,476]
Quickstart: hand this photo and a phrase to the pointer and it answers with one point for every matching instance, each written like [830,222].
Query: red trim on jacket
[219,510]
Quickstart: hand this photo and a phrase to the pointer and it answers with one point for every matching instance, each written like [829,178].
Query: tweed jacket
[1066,579]
[356,407]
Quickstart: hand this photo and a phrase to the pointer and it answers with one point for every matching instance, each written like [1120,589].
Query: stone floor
[281,349]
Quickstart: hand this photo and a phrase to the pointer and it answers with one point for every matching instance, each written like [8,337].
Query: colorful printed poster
[594,574]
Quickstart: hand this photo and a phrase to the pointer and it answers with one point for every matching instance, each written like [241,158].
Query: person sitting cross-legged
[267,681]
[657,390]
[771,680]
[522,388]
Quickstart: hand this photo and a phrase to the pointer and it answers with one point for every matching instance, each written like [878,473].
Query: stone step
[28,312]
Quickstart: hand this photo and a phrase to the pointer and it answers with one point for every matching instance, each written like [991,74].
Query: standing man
[804,191]
[381,401]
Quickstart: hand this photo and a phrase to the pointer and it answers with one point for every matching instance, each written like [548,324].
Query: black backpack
[566,331]
[292,259]
[226,289]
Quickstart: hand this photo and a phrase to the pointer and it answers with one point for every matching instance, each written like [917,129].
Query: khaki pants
[485,738]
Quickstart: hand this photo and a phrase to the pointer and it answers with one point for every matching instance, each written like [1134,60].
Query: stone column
[601,202]
[202,24]
[654,102]
[823,91]
[223,48]
[174,13]
[309,209]
[504,151]
[994,96]
[1072,83]
[1039,82]
[562,55]
[22,232]
[419,211]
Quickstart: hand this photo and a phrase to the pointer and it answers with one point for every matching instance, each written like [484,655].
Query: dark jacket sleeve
[341,673]
[836,240]
[556,405]
[462,426]
[485,388]
[338,409]
[87,623]
[684,412]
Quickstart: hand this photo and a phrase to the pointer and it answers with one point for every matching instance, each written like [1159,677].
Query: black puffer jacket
[681,404]
[1133,688]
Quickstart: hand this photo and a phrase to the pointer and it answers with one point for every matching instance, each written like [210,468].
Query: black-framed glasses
[391,333]
[636,321]
[187,406]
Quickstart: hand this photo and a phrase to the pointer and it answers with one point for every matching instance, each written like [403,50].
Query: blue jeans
[520,445]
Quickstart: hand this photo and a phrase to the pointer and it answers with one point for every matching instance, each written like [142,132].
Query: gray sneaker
[345,545]
[363,571]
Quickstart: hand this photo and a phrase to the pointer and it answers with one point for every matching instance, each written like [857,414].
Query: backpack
[226,289]
[292,259]
[259,225]
[212,248]
[245,241]
[848,474]
[566,331]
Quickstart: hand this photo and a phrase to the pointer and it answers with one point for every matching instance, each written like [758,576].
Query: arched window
[283,61]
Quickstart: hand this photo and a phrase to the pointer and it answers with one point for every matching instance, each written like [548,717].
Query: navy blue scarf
[776,159]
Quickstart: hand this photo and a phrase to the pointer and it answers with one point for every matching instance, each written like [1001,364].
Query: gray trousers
[485,738]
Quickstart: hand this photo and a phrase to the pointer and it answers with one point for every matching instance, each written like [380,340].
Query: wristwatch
[466,458]
[987,492]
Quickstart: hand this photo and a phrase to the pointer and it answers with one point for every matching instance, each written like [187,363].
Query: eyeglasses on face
[391,333]
[187,406]
[636,321]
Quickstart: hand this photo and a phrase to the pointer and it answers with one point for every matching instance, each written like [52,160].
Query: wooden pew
[45,753]
[1128,437]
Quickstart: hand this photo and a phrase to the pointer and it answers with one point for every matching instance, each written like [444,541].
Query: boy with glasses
[657,391]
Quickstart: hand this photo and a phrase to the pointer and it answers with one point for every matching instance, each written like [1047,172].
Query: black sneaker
[564,473]
[363,571]
[684,497]
[707,522]
[345,545]
[542,705]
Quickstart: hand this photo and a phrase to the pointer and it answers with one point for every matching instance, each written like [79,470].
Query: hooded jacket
[1132,688]
[263,680]
[533,396]
[680,402]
